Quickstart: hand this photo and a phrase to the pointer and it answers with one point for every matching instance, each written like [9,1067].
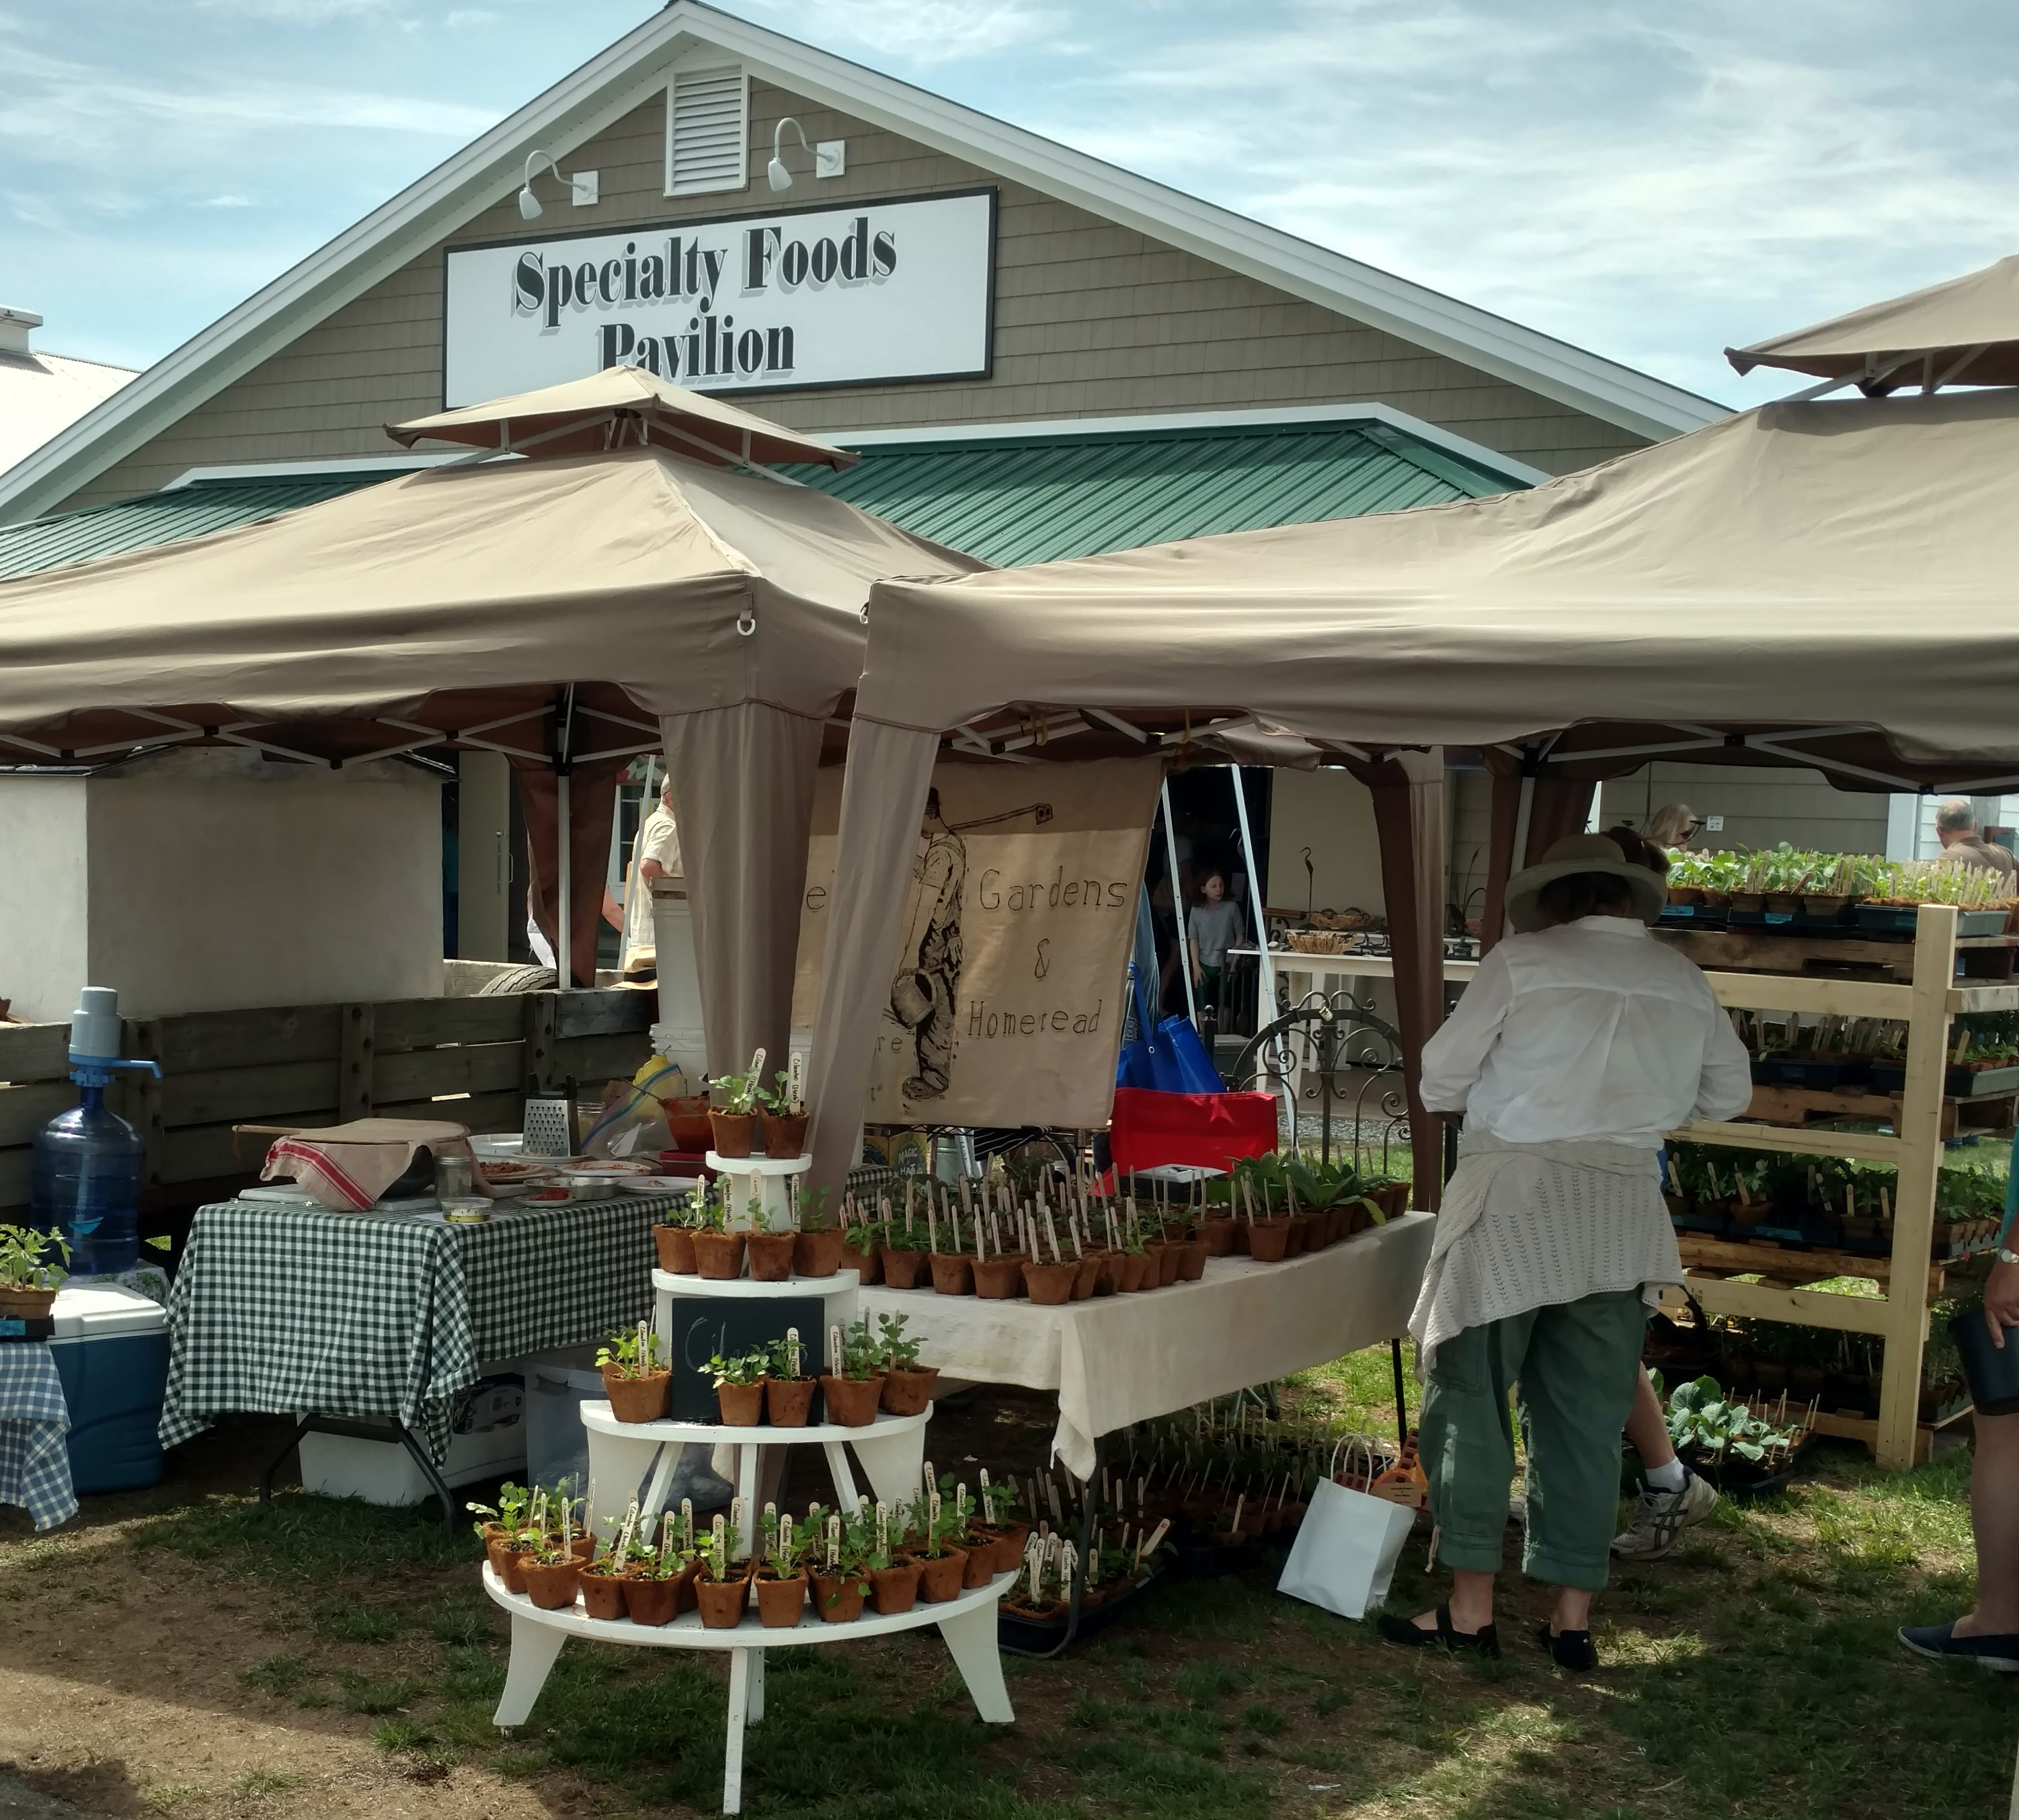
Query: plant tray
[1744,1478]
[1957,1083]
[1824,1072]
[1901,919]
[1022,1636]
[1695,915]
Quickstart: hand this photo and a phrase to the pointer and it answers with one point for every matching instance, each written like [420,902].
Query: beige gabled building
[1110,296]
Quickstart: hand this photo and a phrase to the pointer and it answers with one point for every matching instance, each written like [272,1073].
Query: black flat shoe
[1568,1649]
[1484,1641]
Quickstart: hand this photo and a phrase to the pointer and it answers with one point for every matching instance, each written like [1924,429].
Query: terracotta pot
[1300,1236]
[770,1255]
[552,1588]
[980,1565]
[941,1576]
[789,1401]
[785,1134]
[719,1256]
[851,1402]
[656,1602]
[603,1595]
[637,1399]
[722,1603]
[868,1265]
[582,1548]
[907,1392]
[1392,1198]
[676,1249]
[902,1269]
[1191,1259]
[742,1405]
[1268,1240]
[1137,1269]
[27,1304]
[1049,1284]
[732,1133]
[1105,1283]
[1086,1275]
[1009,1551]
[508,1562]
[1217,1236]
[996,1279]
[780,1602]
[1153,1250]
[953,1273]
[838,1597]
[892,1590]
[819,1254]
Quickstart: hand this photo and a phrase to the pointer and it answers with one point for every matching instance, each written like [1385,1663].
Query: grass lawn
[319,1658]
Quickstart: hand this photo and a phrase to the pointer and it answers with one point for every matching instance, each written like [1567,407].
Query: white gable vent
[707,131]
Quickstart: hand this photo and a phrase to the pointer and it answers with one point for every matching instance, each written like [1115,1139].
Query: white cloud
[229,202]
[464,17]
[928,32]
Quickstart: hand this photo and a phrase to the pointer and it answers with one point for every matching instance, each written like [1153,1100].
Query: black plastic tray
[1901,919]
[1890,1077]
[1824,1072]
[1040,1637]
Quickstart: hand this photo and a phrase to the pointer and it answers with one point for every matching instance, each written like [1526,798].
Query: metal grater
[546,1129]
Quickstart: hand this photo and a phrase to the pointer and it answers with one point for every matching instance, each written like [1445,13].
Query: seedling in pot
[742,1368]
[21,1252]
[509,1516]
[635,1353]
[899,1353]
[787,1359]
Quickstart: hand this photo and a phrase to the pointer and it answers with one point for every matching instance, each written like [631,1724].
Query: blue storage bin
[111,1350]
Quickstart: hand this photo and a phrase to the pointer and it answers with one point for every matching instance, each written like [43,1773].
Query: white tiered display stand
[967,1623]
[891,1450]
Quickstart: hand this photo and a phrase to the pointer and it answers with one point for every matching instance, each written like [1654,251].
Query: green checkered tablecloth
[287,1310]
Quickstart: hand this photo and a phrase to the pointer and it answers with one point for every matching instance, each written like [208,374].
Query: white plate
[497,1146]
[657,1185]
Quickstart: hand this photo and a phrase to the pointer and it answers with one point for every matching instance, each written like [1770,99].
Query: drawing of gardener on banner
[1009,967]
[927,990]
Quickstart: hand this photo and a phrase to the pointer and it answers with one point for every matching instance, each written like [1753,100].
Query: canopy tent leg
[1178,907]
[564,954]
[1267,1010]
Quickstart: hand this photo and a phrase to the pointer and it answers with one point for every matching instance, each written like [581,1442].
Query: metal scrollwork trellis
[1330,1050]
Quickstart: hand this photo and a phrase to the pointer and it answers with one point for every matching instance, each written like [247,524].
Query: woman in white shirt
[1580,1041]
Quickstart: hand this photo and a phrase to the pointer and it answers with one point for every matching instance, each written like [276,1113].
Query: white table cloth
[1119,1359]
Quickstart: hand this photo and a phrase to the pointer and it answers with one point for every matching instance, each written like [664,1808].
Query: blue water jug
[86,1165]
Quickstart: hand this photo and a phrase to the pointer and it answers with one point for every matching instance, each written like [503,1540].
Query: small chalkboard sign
[704,1326]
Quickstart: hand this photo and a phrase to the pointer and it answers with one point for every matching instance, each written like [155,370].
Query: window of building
[707,131]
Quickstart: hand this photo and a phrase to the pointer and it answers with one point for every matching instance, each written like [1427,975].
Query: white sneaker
[1660,1518]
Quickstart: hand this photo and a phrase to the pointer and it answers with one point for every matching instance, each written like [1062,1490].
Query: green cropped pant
[1576,1365]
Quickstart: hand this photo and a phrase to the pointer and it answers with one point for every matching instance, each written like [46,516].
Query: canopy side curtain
[592,801]
[882,801]
[1408,792]
[743,794]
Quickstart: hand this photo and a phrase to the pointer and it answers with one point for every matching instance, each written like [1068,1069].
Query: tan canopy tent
[570,613]
[1962,332]
[620,407]
[1829,585]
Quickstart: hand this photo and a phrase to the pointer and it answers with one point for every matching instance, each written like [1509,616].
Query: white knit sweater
[1529,1225]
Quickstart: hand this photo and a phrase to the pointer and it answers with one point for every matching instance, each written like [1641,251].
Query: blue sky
[1651,182]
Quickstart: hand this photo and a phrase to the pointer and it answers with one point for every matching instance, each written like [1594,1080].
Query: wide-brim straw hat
[1582,853]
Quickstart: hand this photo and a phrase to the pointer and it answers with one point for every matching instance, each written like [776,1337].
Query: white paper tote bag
[1346,1550]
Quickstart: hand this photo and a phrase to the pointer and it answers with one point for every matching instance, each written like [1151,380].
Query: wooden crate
[467,1059]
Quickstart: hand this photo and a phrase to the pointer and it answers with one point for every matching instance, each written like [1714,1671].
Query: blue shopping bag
[1171,1059]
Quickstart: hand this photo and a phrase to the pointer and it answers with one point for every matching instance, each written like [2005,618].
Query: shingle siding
[1092,319]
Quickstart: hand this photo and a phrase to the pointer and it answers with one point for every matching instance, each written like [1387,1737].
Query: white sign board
[849,296]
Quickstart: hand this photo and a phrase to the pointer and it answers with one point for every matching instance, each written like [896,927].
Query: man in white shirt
[655,854]
[1580,1041]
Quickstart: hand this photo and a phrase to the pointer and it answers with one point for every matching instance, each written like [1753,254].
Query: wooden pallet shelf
[1916,985]
[1790,1268]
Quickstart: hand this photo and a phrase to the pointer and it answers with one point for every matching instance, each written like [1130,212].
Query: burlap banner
[1007,992]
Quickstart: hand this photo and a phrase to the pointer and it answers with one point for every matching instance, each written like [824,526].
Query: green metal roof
[1008,499]
[195,510]
[1013,500]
